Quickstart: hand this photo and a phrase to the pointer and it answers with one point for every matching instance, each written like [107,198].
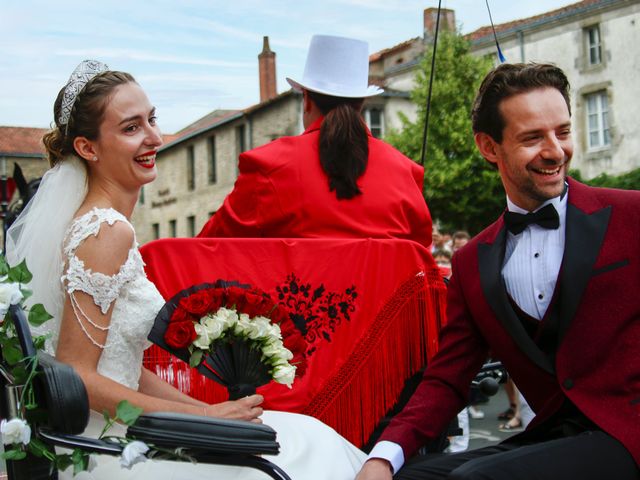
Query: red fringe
[370,381]
[368,384]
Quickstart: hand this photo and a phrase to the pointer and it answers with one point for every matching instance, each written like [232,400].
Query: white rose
[272,347]
[284,374]
[260,328]
[15,430]
[274,331]
[203,341]
[133,453]
[243,326]
[227,317]
[10,294]
[214,325]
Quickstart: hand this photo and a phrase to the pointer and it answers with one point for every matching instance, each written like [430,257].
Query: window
[598,133]
[191,225]
[172,229]
[191,168]
[374,118]
[240,139]
[593,44]
[212,161]
[156,230]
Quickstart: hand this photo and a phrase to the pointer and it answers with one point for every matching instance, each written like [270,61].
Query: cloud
[122,53]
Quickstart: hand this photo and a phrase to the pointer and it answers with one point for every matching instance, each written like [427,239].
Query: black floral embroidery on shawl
[316,312]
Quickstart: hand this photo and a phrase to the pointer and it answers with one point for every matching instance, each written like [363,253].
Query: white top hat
[337,66]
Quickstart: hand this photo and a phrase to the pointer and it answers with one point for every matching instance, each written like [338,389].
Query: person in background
[335,180]
[459,240]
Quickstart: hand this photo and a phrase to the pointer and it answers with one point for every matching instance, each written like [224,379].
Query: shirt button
[536,255]
[540,296]
[568,383]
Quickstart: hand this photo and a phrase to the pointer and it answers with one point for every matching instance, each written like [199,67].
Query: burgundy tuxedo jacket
[597,363]
[282,191]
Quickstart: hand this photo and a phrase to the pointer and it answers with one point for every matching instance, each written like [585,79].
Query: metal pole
[433,68]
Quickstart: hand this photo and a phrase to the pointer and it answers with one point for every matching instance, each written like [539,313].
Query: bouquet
[232,334]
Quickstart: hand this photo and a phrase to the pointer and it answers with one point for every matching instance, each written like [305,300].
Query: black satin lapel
[490,256]
[584,236]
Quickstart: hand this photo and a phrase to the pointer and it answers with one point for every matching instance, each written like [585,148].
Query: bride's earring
[94,159]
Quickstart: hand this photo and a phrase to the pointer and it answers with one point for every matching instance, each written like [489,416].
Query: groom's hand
[375,469]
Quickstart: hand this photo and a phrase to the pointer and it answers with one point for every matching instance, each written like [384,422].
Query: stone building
[595,41]
[597,44]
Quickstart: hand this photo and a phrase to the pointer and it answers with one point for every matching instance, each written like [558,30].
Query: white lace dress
[310,450]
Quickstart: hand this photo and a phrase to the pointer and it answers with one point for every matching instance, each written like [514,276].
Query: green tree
[463,191]
[626,181]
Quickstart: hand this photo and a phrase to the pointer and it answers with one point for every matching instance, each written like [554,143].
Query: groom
[552,289]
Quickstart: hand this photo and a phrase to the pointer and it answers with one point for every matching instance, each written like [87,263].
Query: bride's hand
[247,408]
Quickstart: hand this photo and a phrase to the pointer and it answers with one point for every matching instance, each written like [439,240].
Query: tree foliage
[626,181]
[462,190]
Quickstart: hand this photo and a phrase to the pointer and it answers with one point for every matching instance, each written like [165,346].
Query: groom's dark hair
[507,80]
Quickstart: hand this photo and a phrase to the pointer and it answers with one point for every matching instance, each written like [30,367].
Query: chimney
[447,22]
[267,67]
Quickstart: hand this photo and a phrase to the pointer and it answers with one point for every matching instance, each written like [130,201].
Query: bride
[77,240]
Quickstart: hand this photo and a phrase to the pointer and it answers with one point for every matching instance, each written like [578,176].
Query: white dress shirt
[532,260]
[530,270]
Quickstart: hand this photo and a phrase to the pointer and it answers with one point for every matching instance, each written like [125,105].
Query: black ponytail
[344,143]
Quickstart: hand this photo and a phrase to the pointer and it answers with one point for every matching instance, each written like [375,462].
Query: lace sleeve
[103,289]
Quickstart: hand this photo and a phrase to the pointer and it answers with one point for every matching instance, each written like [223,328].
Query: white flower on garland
[10,294]
[133,453]
[15,431]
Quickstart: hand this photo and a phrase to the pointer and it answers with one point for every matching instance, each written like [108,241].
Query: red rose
[280,315]
[255,305]
[236,298]
[287,328]
[295,343]
[198,303]
[180,334]
[300,363]
[180,315]
[217,299]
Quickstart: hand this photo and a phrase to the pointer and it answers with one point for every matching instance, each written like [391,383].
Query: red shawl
[369,309]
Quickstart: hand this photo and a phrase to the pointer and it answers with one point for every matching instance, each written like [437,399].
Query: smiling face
[536,148]
[128,139]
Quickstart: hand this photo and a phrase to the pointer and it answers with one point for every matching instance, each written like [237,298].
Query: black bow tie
[546,217]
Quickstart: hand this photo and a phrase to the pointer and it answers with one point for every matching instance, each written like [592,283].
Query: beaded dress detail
[134,298]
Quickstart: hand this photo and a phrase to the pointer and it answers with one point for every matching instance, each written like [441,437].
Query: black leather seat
[60,392]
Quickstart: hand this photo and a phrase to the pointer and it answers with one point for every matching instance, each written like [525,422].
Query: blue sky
[194,56]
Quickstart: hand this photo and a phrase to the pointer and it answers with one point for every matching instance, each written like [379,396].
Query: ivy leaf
[128,413]
[14,454]
[106,416]
[12,353]
[196,358]
[38,315]
[63,461]
[20,374]
[4,266]
[80,461]
[39,342]
[20,273]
